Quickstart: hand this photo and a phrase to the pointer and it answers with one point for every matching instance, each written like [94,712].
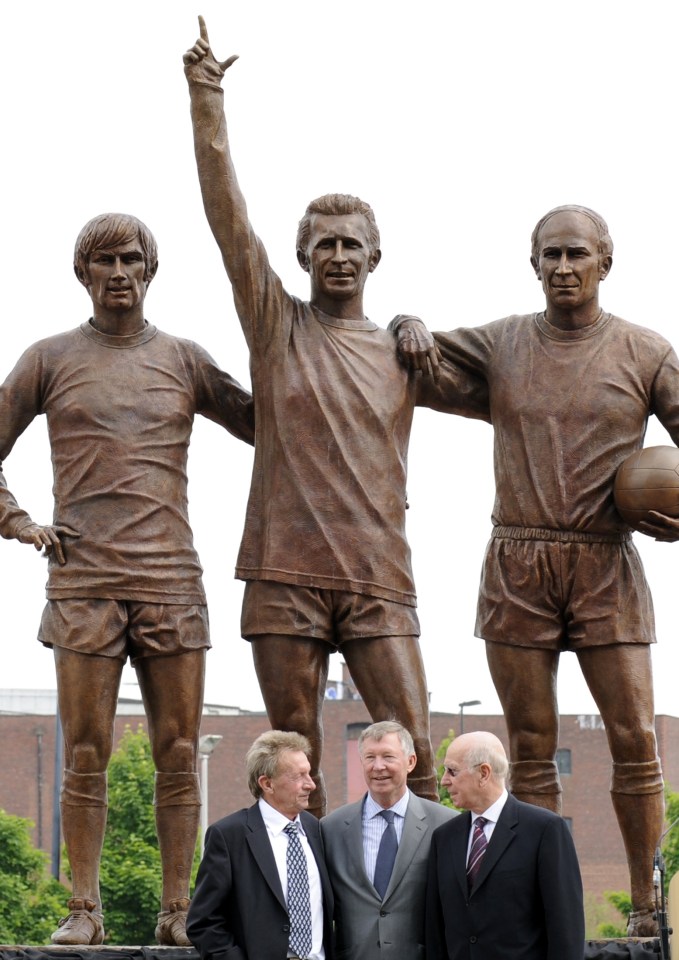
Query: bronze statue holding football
[571,389]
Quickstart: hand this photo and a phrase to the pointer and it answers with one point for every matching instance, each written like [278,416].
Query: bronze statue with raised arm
[571,389]
[324,553]
[124,578]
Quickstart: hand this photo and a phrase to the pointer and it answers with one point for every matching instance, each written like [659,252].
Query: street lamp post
[206,745]
[466,703]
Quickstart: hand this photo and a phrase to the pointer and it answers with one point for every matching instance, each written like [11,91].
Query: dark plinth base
[633,948]
[97,953]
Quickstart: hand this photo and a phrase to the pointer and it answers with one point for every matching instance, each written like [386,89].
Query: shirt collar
[274,821]
[372,809]
[493,812]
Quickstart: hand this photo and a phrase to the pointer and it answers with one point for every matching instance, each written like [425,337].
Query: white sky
[461,123]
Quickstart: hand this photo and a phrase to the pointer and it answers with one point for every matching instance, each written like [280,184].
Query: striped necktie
[478,848]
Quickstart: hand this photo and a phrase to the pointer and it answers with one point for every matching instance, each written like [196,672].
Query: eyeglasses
[456,773]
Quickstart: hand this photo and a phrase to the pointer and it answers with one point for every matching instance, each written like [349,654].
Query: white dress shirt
[492,815]
[275,824]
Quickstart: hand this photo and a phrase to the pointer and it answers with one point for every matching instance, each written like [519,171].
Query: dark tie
[299,904]
[386,855]
[478,848]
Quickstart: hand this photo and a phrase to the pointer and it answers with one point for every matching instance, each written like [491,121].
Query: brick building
[28,742]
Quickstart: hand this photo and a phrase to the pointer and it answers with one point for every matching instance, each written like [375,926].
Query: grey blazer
[366,927]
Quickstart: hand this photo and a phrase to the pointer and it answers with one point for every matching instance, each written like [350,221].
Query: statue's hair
[264,756]
[605,242]
[337,204]
[378,731]
[110,230]
[488,751]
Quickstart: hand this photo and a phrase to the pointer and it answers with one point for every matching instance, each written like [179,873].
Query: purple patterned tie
[478,848]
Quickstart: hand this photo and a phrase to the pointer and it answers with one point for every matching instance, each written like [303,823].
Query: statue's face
[569,265]
[115,277]
[338,257]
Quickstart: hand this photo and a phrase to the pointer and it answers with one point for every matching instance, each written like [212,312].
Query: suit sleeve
[206,924]
[434,932]
[561,890]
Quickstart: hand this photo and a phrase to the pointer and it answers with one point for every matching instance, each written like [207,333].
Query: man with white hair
[504,880]
[379,897]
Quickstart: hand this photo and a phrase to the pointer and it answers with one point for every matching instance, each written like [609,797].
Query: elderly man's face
[289,790]
[569,264]
[462,781]
[338,257]
[386,767]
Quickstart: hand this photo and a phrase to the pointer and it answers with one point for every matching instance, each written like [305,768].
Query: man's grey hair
[264,756]
[605,242]
[378,731]
[341,205]
[491,754]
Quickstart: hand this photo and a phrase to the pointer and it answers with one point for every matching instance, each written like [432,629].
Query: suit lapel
[503,834]
[354,842]
[260,846]
[460,842]
[415,828]
[313,836]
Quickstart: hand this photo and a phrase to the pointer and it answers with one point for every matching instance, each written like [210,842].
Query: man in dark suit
[379,911]
[504,881]
[262,889]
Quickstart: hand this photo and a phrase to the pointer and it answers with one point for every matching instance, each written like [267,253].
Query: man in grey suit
[376,852]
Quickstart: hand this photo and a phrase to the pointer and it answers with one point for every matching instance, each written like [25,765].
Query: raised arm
[258,293]
[224,203]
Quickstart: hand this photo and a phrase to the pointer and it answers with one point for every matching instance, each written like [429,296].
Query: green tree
[671,844]
[440,756]
[622,901]
[31,902]
[131,880]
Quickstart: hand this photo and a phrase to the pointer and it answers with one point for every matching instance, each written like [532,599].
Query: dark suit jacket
[238,911]
[527,900]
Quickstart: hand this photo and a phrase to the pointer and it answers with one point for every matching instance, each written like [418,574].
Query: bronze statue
[124,578]
[570,391]
[324,553]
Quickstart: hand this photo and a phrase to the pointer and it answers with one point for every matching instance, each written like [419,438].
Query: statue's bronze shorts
[122,628]
[334,616]
[563,595]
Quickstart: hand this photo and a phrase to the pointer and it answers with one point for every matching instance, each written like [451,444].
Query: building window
[354,730]
[563,761]
[354,779]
